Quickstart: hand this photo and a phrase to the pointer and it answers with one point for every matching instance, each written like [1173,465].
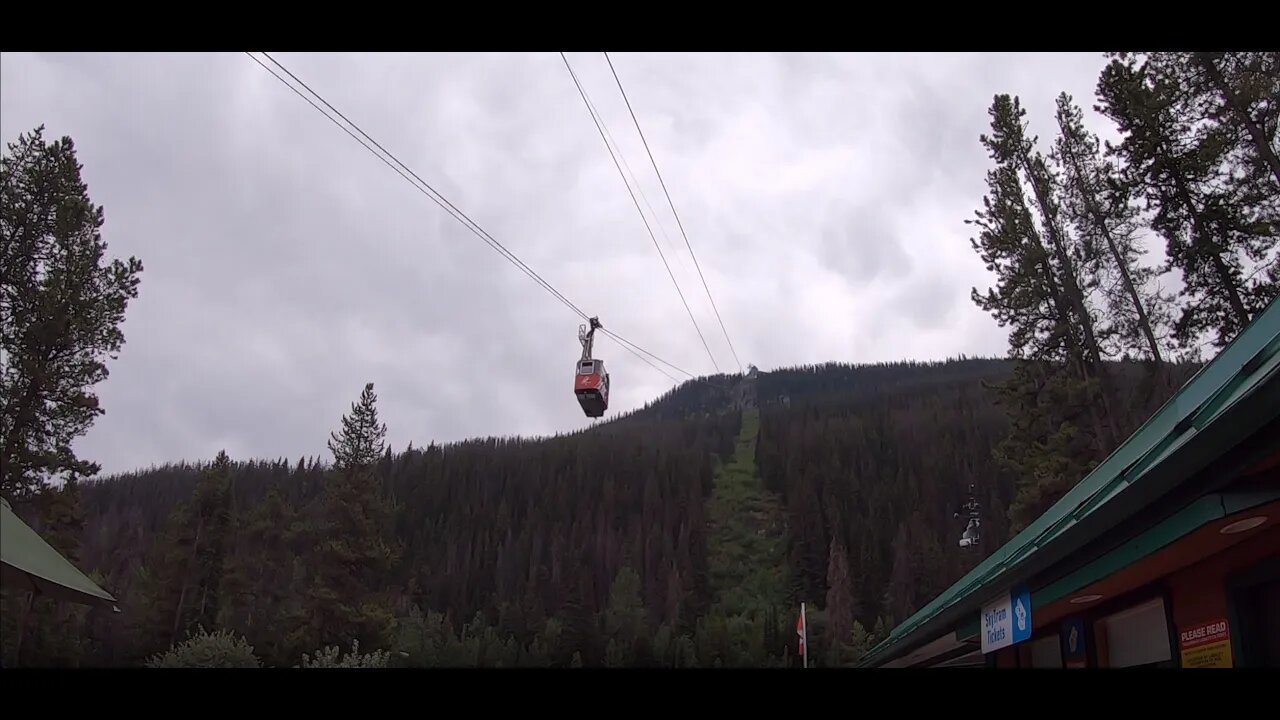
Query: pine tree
[352,560]
[60,312]
[1245,87]
[181,580]
[841,607]
[259,579]
[1027,297]
[880,633]
[1187,170]
[1099,206]
[625,620]
[62,518]
[362,439]
[859,642]
[1054,249]
[674,599]
[1047,448]
[212,502]
[579,636]
[1040,295]
[900,592]
[1236,89]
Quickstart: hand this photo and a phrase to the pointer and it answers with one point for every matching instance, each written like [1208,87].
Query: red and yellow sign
[1206,645]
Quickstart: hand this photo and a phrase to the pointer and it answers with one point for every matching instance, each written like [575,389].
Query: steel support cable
[448,207]
[639,188]
[673,211]
[434,194]
[645,220]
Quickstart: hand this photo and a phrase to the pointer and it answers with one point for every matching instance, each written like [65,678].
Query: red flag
[802,631]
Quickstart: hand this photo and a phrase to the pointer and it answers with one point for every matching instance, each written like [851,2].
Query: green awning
[28,563]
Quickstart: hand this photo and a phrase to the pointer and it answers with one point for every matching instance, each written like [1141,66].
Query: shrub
[219,649]
[329,658]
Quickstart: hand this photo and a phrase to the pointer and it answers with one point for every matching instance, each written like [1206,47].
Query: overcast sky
[824,196]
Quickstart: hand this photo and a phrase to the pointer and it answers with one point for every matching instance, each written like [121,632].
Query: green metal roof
[1234,382]
[27,562]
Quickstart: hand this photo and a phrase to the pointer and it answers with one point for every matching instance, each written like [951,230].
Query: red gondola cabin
[590,381]
[591,385]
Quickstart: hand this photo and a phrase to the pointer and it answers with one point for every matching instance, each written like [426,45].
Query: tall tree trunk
[204,599]
[1091,362]
[1074,295]
[1144,322]
[1233,292]
[1201,235]
[1099,221]
[186,582]
[1240,112]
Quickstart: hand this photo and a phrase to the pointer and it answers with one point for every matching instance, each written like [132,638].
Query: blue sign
[1020,598]
[1006,620]
[1073,649]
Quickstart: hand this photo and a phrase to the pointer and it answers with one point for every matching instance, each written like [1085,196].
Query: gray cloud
[285,266]
[863,247]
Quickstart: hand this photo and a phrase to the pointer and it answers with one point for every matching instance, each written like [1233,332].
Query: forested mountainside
[873,464]
[686,533]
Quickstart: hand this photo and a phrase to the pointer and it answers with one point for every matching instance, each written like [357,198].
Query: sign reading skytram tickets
[1006,620]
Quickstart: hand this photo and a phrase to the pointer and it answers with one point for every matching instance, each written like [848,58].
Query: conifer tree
[1099,206]
[625,620]
[1040,296]
[841,607]
[259,579]
[1214,219]
[182,578]
[61,306]
[352,558]
[362,439]
[1236,89]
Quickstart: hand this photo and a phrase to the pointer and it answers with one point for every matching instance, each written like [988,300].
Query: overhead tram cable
[673,210]
[438,198]
[429,191]
[639,188]
[599,128]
